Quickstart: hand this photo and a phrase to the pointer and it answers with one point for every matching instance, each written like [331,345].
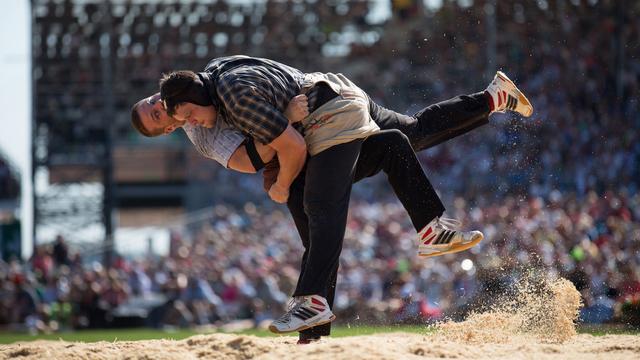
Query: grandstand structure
[93,59]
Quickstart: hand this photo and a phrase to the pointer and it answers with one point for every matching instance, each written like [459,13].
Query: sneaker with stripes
[439,237]
[505,95]
[304,312]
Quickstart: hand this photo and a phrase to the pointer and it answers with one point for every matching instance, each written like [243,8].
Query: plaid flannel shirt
[254,94]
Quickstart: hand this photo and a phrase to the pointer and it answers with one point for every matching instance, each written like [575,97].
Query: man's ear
[169,129]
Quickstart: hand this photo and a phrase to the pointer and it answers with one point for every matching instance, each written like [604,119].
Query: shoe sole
[456,248]
[275,330]
[521,98]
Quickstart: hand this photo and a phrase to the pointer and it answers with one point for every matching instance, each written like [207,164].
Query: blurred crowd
[576,60]
[242,265]
[557,193]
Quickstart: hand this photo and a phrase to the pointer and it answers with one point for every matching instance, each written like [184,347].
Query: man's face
[154,116]
[196,115]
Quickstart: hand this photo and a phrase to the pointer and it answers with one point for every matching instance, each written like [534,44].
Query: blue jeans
[324,191]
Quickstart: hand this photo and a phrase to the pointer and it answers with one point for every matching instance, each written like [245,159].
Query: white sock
[425,234]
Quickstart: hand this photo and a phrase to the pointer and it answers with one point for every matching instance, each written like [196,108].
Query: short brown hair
[182,86]
[136,121]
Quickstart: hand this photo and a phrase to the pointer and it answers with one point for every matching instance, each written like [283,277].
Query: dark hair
[182,86]
[136,121]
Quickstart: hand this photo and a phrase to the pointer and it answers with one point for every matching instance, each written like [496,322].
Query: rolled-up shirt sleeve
[217,143]
[251,113]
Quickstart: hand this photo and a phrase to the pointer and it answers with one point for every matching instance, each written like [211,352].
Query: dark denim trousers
[319,197]
[438,122]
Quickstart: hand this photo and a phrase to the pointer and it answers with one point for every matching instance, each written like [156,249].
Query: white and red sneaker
[438,238]
[304,312]
[506,96]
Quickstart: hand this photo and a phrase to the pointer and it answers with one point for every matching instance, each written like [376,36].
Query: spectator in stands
[61,251]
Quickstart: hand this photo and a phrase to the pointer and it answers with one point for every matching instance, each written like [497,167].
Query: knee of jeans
[397,138]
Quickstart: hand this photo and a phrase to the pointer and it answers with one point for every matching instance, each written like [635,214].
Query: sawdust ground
[536,322]
[380,346]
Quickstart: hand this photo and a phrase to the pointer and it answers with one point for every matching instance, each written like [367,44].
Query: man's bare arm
[241,162]
[291,150]
[296,110]
[292,153]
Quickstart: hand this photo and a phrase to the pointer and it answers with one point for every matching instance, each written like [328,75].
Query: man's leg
[296,207]
[329,177]
[390,151]
[438,122]
[327,188]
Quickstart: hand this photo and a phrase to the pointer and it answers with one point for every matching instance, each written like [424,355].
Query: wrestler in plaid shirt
[253,94]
